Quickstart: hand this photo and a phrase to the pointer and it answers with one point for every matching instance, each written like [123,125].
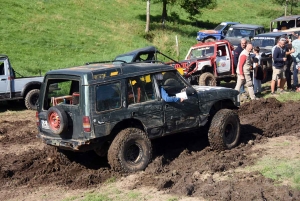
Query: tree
[147,16]
[193,7]
[285,3]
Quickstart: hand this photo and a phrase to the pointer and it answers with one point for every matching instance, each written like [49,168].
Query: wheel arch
[126,123]
[29,86]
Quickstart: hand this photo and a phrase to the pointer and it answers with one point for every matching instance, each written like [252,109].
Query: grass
[281,170]
[43,35]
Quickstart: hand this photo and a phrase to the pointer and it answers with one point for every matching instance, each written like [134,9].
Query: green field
[43,35]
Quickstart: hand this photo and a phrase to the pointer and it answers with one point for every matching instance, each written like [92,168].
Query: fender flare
[30,85]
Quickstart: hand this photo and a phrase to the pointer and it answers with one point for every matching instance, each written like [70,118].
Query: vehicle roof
[271,34]
[123,69]
[210,43]
[3,56]
[251,26]
[286,18]
[140,50]
[230,22]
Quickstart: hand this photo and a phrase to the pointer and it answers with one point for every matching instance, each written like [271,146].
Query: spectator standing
[257,71]
[236,55]
[287,67]
[243,71]
[279,59]
[296,60]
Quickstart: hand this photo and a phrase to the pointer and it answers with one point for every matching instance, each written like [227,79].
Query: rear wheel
[130,151]
[31,99]
[207,79]
[224,131]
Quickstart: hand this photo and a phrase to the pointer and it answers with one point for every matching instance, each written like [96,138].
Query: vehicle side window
[223,50]
[108,96]
[61,91]
[2,69]
[140,89]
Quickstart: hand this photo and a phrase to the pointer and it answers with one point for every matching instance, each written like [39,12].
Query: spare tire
[57,120]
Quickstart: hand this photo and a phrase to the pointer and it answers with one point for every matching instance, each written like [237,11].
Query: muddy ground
[183,165]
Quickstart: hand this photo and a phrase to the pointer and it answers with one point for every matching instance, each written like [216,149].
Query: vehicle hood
[210,93]
[235,41]
[209,31]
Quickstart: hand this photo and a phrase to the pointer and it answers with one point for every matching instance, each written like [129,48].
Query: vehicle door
[178,116]
[4,82]
[223,59]
[143,105]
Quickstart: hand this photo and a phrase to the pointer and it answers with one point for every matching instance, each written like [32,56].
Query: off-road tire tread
[114,151]
[218,124]
[28,97]
[206,75]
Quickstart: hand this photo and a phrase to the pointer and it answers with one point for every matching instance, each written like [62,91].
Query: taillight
[37,118]
[86,124]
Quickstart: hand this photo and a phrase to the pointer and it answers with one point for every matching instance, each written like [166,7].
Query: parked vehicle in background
[266,41]
[209,63]
[239,31]
[285,23]
[116,109]
[16,88]
[217,33]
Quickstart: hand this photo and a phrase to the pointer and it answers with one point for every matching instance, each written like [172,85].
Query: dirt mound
[183,164]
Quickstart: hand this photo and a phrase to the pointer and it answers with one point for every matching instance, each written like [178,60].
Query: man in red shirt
[243,71]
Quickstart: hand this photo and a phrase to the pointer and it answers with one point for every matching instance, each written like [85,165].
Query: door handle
[227,58]
[3,79]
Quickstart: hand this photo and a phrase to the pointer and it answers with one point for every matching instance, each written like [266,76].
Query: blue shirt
[166,97]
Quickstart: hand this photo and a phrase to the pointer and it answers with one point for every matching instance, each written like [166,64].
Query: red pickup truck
[209,63]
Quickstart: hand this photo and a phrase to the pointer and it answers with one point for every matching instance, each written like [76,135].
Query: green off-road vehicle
[117,109]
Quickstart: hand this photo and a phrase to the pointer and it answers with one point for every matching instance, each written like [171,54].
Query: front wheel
[130,151]
[224,131]
[207,79]
[31,99]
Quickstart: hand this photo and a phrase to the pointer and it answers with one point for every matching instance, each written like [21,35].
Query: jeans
[295,73]
[242,89]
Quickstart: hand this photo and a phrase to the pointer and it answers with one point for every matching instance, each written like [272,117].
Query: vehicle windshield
[201,52]
[219,27]
[264,42]
[239,33]
[127,59]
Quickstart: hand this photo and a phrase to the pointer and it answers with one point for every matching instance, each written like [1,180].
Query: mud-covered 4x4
[116,109]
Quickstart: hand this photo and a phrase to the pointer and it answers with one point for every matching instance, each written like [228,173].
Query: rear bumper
[68,144]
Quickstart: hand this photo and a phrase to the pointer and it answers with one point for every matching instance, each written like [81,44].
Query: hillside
[50,34]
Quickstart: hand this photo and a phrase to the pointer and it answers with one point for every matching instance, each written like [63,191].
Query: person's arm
[242,61]
[168,98]
[255,64]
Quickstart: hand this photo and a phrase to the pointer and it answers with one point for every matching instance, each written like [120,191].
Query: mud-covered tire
[209,40]
[207,79]
[31,99]
[224,131]
[57,120]
[130,151]
[265,75]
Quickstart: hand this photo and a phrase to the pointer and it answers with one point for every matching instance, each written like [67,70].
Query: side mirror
[190,91]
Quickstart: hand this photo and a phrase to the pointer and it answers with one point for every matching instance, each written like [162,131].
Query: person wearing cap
[296,59]
[165,96]
[279,58]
